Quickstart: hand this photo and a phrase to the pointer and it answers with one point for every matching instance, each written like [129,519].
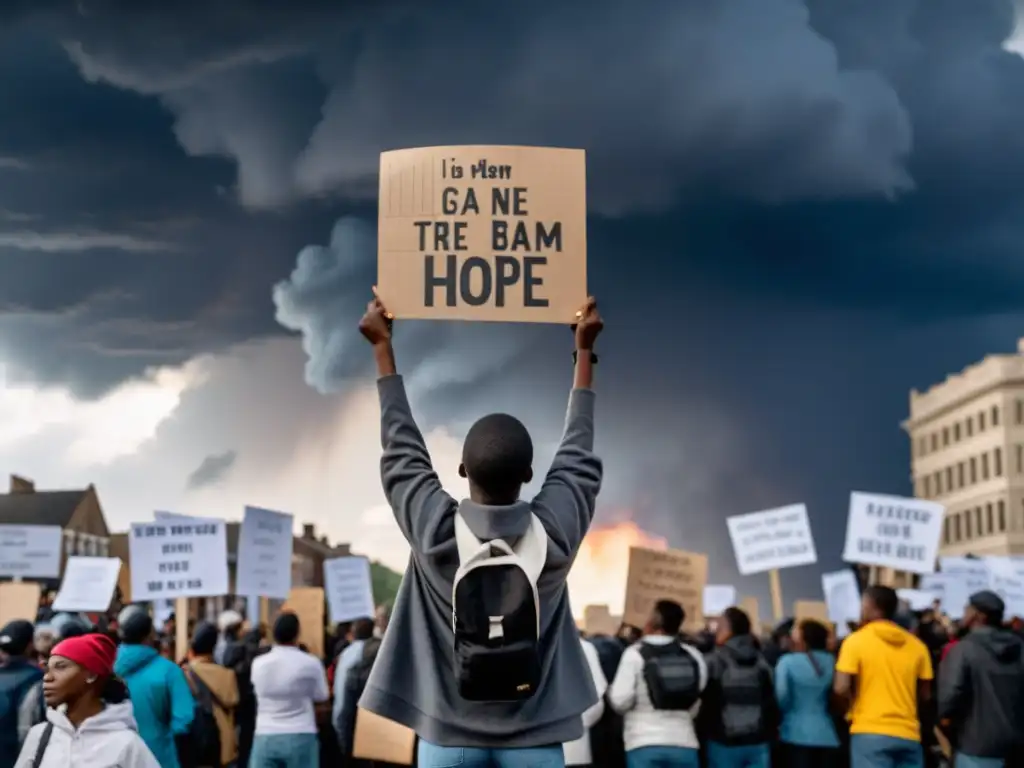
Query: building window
[977,522]
[69,543]
[960,474]
[1019,411]
[981,421]
[1001,513]
[104,547]
[938,483]
[949,479]
[967,524]
[956,431]
[970,425]
[922,447]
[1020,458]
[974,470]
[935,442]
[989,524]
[956,528]
[927,483]
[995,415]
[945,530]
[997,462]
[945,436]
[984,466]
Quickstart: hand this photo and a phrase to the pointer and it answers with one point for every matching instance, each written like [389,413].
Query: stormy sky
[799,211]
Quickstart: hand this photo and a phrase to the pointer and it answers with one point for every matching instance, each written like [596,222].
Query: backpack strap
[530,552]
[202,688]
[44,742]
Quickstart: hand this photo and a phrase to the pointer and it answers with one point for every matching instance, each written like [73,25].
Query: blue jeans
[284,750]
[663,757]
[968,761]
[432,756]
[868,750]
[752,756]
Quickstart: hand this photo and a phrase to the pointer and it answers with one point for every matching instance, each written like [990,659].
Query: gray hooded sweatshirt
[413,680]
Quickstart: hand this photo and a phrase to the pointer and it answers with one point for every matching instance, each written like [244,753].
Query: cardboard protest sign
[816,610]
[772,539]
[383,740]
[483,233]
[19,600]
[893,532]
[669,574]
[308,604]
[750,607]
[598,620]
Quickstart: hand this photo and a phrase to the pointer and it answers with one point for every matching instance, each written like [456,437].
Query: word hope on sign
[893,532]
[483,233]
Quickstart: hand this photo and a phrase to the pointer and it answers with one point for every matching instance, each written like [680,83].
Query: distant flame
[599,573]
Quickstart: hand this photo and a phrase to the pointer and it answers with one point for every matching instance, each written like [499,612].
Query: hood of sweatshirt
[131,658]
[742,649]
[1005,645]
[113,717]
[888,632]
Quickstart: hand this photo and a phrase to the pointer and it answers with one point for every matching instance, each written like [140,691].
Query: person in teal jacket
[803,686]
[160,694]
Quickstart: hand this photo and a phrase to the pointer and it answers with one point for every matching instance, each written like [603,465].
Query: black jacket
[981,690]
[738,706]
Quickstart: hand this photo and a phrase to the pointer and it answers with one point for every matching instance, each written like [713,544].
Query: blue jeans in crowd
[433,756]
[868,750]
[752,756]
[663,757]
[969,761]
[285,750]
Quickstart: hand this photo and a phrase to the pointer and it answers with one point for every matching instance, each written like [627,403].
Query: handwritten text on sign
[483,233]
[30,551]
[665,575]
[175,559]
[264,554]
[893,532]
[772,539]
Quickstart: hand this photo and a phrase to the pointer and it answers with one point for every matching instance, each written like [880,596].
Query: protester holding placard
[537,689]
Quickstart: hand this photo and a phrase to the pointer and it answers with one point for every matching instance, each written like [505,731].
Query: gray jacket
[413,681]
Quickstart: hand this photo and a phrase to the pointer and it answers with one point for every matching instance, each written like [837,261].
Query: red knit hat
[94,653]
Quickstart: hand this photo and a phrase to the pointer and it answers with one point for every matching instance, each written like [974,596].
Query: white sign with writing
[349,588]
[918,599]
[893,532]
[265,554]
[88,584]
[961,577]
[30,551]
[718,597]
[842,596]
[772,539]
[178,557]
[1007,581]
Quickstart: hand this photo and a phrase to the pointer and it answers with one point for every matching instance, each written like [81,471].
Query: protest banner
[963,577]
[30,551]
[772,539]
[19,600]
[815,610]
[349,588]
[666,574]
[1007,581]
[718,597]
[483,233]
[88,584]
[749,606]
[842,598]
[265,545]
[917,599]
[308,604]
[893,532]
[178,559]
[598,620]
[382,740]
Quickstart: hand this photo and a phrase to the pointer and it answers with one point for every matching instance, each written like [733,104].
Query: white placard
[1007,581]
[842,596]
[893,532]
[961,578]
[718,597]
[349,588]
[30,551]
[265,554]
[177,557]
[772,539]
[88,584]
[918,599]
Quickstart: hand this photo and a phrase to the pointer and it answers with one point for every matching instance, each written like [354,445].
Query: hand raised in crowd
[376,322]
[588,325]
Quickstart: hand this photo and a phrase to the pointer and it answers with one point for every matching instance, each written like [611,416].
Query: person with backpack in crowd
[657,689]
[803,687]
[739,715]
[163,703]
[362,631]
[485,590]
[21,689]
[288,683]
[579,752]
[353,685]
[981,689]
[90,720]
[215,688]
[882,675]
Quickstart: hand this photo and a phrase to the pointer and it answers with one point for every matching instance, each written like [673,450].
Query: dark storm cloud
[211,470]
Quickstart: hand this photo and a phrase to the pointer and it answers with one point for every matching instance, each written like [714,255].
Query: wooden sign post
[180,628]
[776,588]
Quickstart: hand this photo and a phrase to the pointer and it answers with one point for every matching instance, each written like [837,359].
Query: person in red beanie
[91,723]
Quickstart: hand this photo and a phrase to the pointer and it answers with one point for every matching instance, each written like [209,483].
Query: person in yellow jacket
[221,682]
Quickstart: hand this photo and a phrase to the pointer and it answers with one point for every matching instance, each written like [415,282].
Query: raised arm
[410,483]
[566,501]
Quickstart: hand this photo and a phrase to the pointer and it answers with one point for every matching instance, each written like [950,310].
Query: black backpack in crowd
[204,735]
[672,675]
[496,614]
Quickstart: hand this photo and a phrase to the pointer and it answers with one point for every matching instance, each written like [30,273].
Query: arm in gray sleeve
[566,501]
[31,711]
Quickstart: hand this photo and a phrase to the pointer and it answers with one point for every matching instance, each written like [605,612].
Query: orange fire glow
[599,573]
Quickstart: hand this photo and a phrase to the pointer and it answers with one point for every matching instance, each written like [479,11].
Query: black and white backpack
[496,614]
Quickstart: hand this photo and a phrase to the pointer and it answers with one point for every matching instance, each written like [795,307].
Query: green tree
[385,584]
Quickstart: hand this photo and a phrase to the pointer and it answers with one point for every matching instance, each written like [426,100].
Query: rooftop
[24,505]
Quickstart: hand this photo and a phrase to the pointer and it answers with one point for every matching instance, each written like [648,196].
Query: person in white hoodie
[91,723]
[578,753]
[657,689]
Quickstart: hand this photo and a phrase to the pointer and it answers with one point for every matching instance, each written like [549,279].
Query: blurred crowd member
[288,684]
[779,643]
[981,688]
[579,752]
[230,625]
[362,630]
[240,658]
[803,687]
[163,703]
[90,718]
[882,675]
[67,625]
[215,688]
[354,683]
[21,690]
[43,642]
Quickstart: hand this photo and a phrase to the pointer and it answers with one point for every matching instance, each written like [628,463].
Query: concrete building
[967,452]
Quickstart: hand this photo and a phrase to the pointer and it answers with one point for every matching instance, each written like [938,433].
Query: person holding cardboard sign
[477,681]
